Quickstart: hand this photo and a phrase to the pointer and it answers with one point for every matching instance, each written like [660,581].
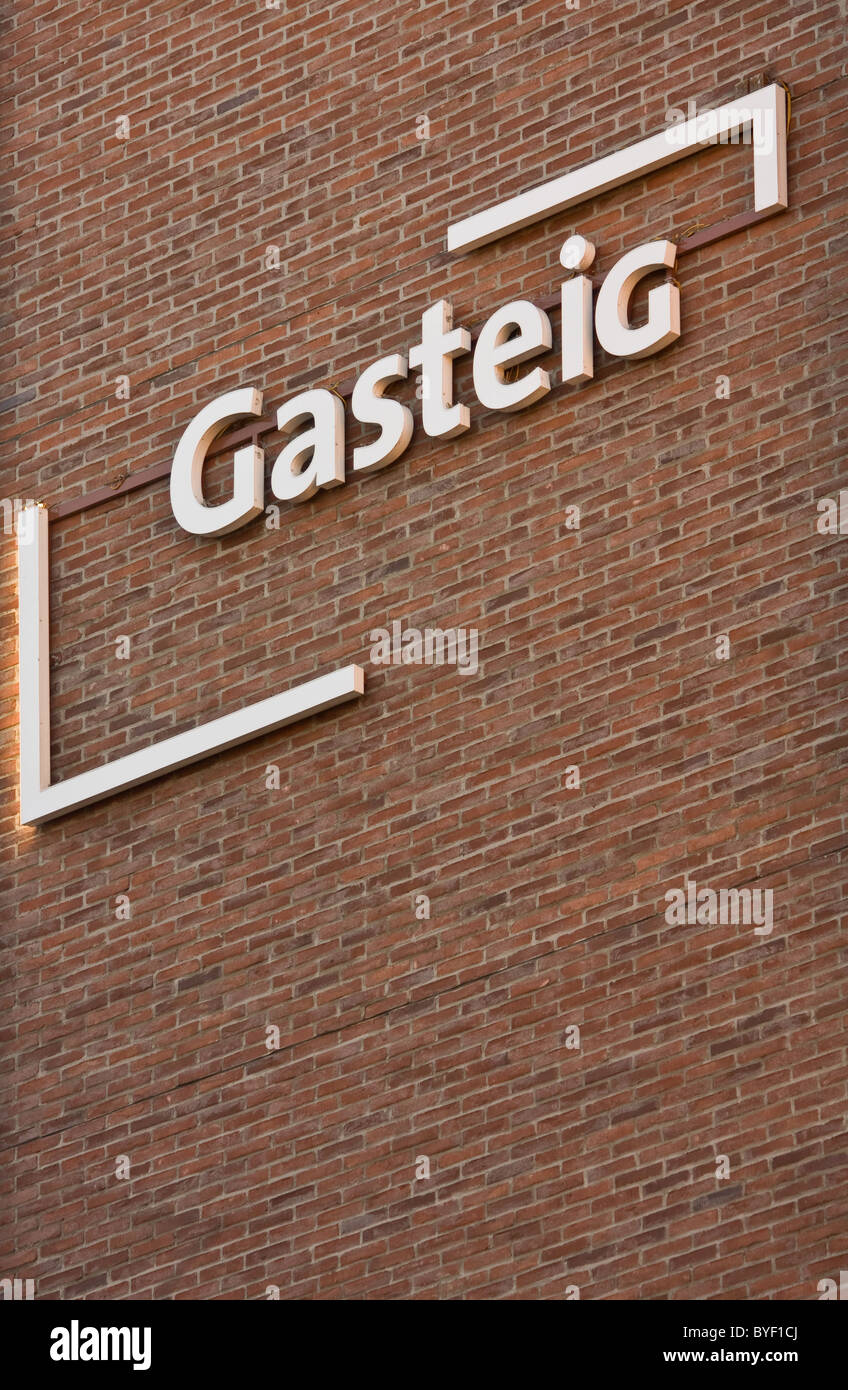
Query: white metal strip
[764,111]
[41,801]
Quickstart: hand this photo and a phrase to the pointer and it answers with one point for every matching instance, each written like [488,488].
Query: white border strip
[765,110]
[41,801]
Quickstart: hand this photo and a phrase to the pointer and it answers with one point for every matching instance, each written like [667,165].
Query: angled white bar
[765,109]
[33,651]
[41,801]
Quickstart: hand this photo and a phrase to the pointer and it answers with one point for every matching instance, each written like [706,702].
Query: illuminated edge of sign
[673,143]
[41,800]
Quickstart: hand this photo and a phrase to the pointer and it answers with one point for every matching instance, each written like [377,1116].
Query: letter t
[440,344]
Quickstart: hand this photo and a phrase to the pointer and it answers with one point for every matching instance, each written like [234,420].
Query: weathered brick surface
[251,907]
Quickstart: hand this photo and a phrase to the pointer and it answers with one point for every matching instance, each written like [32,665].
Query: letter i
[578,362]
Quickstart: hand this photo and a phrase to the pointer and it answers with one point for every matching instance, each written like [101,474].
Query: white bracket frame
[764,111]
[42,800]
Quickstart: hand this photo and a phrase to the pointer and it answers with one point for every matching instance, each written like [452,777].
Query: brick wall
[403,1037]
